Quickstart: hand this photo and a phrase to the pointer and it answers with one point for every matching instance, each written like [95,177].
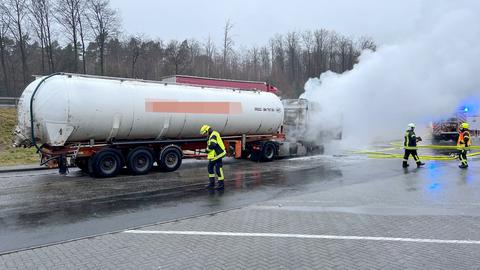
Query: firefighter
[216,151]
[463,144]
[410,145]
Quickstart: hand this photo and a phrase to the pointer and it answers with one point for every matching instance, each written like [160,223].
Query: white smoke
[422,78]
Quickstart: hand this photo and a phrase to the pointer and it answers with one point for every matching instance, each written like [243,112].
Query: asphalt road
[370,213]
[41,207]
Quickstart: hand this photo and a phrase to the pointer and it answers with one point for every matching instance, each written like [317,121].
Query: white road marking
[374,203]
[308,236]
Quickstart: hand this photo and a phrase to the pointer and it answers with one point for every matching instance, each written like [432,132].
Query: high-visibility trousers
[215,168]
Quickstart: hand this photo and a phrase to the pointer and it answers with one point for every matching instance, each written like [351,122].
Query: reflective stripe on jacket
[410,142]
[215,146]
[464,139]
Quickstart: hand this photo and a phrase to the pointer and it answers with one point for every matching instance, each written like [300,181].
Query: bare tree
[48,32]
[278,53]
[366,43]
[210,53]
[67,16]
[265,62]
[320,57]
[332,51]
[16,11]
[292,54]
[38,22]
[279,71]
[345,48]
[135,47]
[255,59]
[81,16]
[104,22]
[4,29]
[40,11]
[309,44]
[227,45]
[194,53]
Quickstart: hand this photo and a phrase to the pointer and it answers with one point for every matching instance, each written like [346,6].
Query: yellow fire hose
[400,156]
[446,147]
[397,146]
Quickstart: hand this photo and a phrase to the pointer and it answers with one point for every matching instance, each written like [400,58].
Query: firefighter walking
[216,151]
[463,144]
[410,145]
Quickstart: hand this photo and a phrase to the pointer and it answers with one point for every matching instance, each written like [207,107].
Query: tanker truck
[103,124]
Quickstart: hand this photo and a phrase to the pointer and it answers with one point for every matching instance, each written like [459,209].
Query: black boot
[211,183]
[221,185]
[405,164]
[420,164]
[463,166]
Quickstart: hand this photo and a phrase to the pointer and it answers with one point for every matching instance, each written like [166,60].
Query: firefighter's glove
[419,139]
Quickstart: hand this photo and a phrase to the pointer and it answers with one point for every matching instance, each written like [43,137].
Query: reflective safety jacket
[410,142]
[215,147]
[464,139]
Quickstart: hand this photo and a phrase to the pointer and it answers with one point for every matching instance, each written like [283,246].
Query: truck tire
[170,158]
[269,151]
[315,150]
[263,151]
[140,160]
[107,163]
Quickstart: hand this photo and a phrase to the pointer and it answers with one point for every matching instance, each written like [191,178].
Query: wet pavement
[324,196]
[42,207]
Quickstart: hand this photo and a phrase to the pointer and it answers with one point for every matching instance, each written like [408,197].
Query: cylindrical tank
[69,108]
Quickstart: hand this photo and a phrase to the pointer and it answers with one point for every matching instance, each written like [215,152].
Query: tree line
[39,37]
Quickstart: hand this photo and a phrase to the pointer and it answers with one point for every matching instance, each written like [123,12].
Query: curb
[10,170]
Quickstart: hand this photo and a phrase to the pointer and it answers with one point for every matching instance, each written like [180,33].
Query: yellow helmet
[465,126]
[204,129]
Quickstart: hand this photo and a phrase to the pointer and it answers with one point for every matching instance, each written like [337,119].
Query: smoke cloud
[424,77]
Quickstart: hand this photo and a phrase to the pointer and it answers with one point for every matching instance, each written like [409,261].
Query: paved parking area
[416,219]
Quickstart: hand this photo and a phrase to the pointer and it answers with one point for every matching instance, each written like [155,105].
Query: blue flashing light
[465,109]
[434,186]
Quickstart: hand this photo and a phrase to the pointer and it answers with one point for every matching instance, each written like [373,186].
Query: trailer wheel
[170,158]
[140,160]
[269,151]
[107,163]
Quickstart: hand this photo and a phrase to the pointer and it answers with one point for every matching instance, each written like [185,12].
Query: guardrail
[9,101]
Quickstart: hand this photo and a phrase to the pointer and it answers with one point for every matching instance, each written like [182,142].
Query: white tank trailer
[73,108]
[103,124]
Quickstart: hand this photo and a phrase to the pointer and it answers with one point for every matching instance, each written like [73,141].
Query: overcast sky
[256,21]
